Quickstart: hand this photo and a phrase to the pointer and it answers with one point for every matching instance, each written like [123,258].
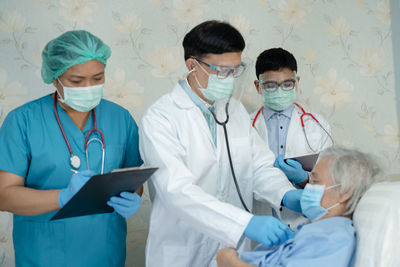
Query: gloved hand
[292,169]
[291,200]
[126,205]
[268,231]
[76,183]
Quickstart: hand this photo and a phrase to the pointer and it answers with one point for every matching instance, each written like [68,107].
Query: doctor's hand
[292,169]
[268,231]
[76,183]
[291,200]
[126,205]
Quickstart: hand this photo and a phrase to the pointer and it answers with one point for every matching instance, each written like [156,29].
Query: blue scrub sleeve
[14,149]
[132,155]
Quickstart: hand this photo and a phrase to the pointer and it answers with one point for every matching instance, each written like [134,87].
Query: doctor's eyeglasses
[224,71]
[272,86]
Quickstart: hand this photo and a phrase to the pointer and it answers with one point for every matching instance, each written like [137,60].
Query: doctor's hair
[275,59]
[355,171]
[212,37]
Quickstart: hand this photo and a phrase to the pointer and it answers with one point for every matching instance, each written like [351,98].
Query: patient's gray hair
[353,170]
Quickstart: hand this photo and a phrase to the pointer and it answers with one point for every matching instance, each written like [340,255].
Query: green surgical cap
[69,49]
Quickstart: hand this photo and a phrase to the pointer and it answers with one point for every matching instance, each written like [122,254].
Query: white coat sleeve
[270,183]
[174,187]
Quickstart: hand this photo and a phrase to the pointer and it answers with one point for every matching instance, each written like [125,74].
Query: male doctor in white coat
[279,124]
[196,206]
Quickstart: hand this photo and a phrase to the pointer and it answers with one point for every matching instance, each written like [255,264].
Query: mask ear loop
[62,100]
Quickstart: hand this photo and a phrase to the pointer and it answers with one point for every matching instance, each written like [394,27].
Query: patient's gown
[328,242]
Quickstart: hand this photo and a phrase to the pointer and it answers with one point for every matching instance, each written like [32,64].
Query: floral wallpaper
[343,48]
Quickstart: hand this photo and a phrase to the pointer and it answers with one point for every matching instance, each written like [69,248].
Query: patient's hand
[228,257]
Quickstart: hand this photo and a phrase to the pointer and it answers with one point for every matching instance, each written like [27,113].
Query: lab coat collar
[181,98]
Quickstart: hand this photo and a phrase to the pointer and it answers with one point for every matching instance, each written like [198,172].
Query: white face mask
[82,99]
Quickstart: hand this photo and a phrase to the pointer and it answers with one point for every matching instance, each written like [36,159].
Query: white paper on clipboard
[307,161]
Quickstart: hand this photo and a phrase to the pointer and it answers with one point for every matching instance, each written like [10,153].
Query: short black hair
[212,37]
[275,59]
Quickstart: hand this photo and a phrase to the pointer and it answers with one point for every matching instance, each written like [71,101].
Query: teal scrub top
[32,146]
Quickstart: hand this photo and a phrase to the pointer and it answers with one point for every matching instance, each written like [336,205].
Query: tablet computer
[307,161]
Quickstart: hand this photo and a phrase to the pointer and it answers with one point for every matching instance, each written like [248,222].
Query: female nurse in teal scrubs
[51,146]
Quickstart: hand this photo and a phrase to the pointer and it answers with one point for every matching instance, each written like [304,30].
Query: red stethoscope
[75,161]
[302,123]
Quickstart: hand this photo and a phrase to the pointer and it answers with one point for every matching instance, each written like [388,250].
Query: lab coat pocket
[189,255]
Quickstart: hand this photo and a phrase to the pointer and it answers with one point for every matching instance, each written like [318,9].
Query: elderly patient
[337,182]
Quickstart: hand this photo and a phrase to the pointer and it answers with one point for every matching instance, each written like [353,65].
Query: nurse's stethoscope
[302,124]
[223,124]
[74,159]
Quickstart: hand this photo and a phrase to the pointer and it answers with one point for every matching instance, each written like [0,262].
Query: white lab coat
[296,145]
[196,209]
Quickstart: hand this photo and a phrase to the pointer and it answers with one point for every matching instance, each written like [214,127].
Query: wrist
[60,198]
[303,177]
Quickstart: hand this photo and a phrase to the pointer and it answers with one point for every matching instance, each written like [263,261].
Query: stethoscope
[302,124]
[75,161]
[223,124]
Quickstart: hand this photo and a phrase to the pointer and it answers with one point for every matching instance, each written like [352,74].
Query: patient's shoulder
[335,230]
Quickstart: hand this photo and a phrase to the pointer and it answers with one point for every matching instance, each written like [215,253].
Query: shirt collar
[268,113]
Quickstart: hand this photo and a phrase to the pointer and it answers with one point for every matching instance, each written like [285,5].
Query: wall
[395,11]
[344,52]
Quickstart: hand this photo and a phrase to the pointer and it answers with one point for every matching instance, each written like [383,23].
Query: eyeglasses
[272,86]
[225,72]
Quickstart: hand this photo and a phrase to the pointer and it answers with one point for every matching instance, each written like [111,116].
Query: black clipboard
[93,196]
[307,161]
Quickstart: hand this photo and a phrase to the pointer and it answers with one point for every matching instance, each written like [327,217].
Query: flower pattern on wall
[78,11]
[370,60]
[343,50]
[339,26]
[188,11]
[130,23]
[165,60]
[294,12]
[12,94]
[127,94]
[333,92]
[12,22]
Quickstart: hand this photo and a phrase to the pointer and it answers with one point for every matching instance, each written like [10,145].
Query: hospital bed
[377,221]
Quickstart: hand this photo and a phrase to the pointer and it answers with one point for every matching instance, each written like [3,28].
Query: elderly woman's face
[320,175]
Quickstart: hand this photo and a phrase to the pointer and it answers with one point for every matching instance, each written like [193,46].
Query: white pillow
[377,221]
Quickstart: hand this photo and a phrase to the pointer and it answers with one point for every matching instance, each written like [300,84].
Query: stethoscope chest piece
[75,161]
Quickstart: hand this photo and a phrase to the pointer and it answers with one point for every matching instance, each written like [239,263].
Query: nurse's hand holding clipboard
[78,180]
[126,205]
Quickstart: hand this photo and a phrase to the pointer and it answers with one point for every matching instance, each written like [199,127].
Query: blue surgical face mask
[310,201]
[217,89]
[82,99]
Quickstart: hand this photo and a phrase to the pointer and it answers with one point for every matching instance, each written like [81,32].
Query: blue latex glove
[292,169]
[268,231]
[291,200]
[76,183]
[126,205]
